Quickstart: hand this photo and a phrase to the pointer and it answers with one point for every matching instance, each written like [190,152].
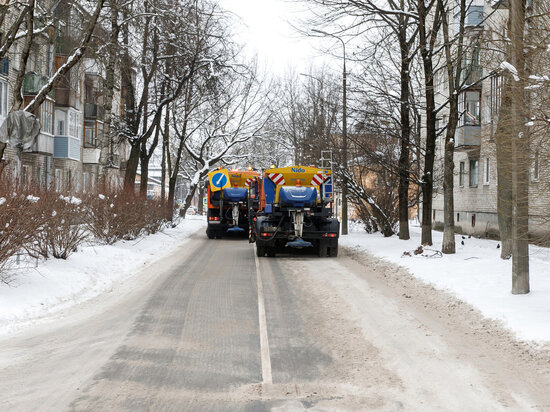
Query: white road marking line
[264,343]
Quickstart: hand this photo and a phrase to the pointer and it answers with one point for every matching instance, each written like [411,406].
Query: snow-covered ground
[475,274]
[54,285]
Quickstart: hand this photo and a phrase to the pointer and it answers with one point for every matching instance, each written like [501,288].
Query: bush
[116,216]
[62,231]
[45,223]
[19,224]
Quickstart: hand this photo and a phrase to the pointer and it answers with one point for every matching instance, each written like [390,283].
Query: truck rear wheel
[322,250]
[210,234]
[260,250]
[333,251]
[271,251]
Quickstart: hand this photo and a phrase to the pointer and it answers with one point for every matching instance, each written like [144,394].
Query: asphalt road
[213,328]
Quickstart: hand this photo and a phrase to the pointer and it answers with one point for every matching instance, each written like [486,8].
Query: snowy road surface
[205,330]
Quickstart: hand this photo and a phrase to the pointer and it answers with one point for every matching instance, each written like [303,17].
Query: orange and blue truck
[291,209]
[227,201]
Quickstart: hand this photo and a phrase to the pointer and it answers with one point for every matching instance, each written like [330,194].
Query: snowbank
[58,284]
[475,274]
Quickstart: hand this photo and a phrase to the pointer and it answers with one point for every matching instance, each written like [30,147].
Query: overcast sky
[266,31]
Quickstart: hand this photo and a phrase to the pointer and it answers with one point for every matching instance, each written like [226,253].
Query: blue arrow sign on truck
[327,188]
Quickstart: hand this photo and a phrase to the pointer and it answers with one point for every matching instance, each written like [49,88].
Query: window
[441,79]
[458,217]
[99,132]
[49,60]
[25,175]
[536,167]
[474,220]
[473,172]
[495,96]
[73,124]
[69,180]
[4,64]
[61,127]
[434,215]
[85,181]
[46,116]
[3,98]
[58,180]
[89,134]
[93,133]
[461,175]
[487,172]
[469,108]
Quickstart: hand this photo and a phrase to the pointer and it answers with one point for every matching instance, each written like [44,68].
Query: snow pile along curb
[58,284]
[475,274]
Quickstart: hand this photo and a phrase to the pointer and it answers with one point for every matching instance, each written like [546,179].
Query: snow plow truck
[293,211]
[227,200]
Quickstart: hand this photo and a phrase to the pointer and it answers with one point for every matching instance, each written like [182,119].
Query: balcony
[67,147]
[471,76]
[64,45]
[467,137]
[33,82]
[44,144]
[90,155]
[66,97]
[93,111]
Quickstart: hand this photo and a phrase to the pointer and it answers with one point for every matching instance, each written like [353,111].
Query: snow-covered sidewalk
[475,274]
[59,284]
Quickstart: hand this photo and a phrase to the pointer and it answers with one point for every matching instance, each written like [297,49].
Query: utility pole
[344,132]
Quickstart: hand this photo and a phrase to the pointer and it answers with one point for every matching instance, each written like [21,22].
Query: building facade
[65,156]
[475,179]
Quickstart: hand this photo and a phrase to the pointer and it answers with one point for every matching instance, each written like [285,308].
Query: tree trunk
[454,69]
[131,169]
[144,166]
[105,144]
[163,168]
[503,139]
[17,92]
[520,154]
[404,155]
[171,197]
[427,42]
[188,200]
[201,195]
[448,245]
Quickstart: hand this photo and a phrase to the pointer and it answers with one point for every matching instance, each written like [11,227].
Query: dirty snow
[475,274]
[55,285]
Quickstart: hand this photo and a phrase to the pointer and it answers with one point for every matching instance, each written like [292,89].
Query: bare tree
[235,113]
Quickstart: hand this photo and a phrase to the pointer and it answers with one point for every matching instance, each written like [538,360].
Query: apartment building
[475,180]
[66,153]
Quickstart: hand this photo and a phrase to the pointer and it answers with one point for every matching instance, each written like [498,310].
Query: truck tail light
[265,234]
[329,235]
[216,218]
